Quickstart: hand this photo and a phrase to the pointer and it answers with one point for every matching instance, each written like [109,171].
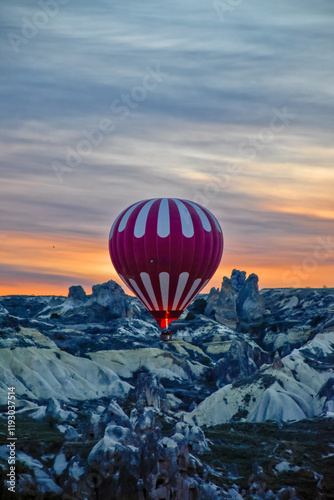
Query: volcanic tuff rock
[221,305]
[76,292]
[106,406]
[250,307]
[289,391]
[150,392]
[238,304]
[132,461]
[296,315]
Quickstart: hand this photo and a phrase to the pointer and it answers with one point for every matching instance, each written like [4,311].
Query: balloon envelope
[166,250]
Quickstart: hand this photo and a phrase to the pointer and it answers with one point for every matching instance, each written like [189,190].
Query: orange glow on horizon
[48,264]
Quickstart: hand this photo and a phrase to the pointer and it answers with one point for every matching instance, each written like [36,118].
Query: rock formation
[76,292]
[108,410]
[250,308]
[221,304]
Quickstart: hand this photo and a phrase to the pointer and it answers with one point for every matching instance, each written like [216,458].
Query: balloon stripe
[163,219]
[186,221]
[185,305]
[214,219]
[202,286]
[183,278]
[205,221]
[126,216]
[139,293]
[164,288]
[191,292]
[123,279]
[140,226]
[216,251]
[114,225]
[127,283]
[149,289]
[201,243]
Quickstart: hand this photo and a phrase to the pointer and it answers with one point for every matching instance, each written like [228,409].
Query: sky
[105,103]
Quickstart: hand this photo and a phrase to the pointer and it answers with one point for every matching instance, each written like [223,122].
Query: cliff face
[107,410]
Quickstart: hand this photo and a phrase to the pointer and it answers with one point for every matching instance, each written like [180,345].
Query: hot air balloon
[166,250]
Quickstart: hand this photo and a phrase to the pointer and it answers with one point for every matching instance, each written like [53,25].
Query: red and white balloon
[166,250]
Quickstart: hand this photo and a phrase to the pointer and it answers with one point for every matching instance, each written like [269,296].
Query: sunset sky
[227,103]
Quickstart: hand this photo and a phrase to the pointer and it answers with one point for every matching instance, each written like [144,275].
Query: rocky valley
[239,404]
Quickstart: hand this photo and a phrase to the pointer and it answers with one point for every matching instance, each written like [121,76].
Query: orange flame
[167,319]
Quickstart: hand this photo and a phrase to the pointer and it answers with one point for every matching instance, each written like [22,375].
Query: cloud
[223,80]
